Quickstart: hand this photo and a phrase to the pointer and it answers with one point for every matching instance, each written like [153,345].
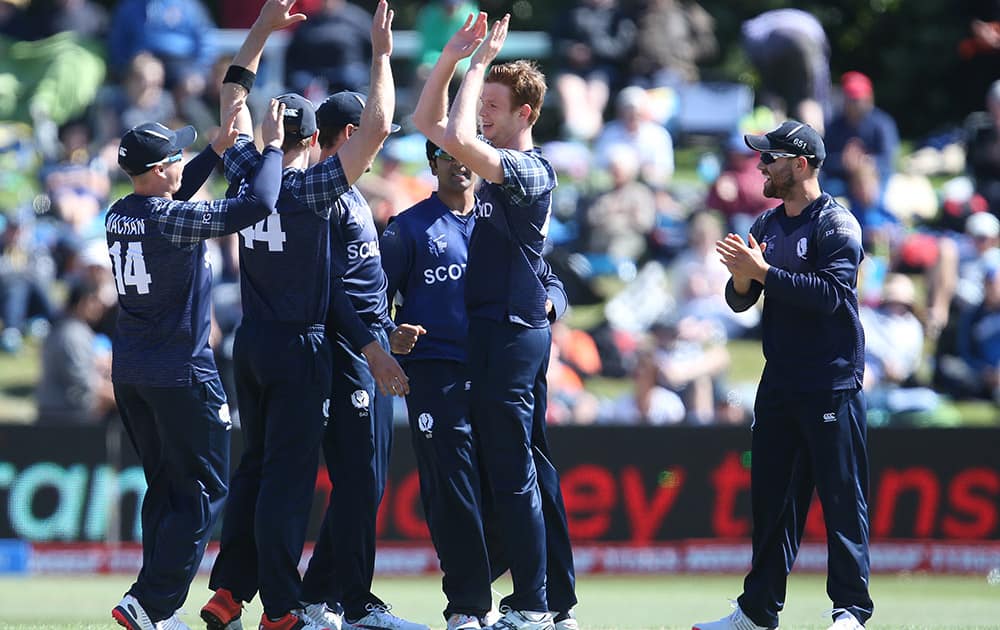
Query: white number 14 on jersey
[132,271]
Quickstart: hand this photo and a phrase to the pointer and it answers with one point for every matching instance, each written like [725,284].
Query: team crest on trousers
[425,422]
[360,400]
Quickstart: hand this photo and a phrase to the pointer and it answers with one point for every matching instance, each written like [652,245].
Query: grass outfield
[902,602]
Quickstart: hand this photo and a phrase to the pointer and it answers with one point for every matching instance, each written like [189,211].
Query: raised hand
[382,29]
[467,39]
[276,15]
[229,130]
[491,47]
[272,129]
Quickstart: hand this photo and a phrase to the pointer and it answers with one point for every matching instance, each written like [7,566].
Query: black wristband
[240,76]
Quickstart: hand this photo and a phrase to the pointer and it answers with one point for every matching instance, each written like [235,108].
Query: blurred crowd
[632,234]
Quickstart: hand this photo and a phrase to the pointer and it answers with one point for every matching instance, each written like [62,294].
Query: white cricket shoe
[173,622]
[523,620]
[491,617]
[458,621]
[846,621]
[735,621]
[130,614]
[379,618]
[322,615]
[566,621]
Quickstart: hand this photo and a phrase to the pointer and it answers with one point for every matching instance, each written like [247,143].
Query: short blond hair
[525,81]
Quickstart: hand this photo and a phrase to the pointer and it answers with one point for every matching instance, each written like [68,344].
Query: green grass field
[908,602]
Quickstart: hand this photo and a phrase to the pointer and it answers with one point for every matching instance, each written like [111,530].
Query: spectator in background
[861,129]
[75,385]
[955,283]
[175,31]
[894,336]
[698,279]
[689,358]
[242,13]
[435,23]
[790,51]
[25,275]
[634,128]
[979,342]
[674,37]
[141,97]
[330,52]
[983,151]
[591,46]
[49,17]
[737,192]
[619,220]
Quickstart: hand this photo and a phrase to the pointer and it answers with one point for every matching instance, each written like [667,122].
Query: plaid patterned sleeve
[319,186]
[240,158]
[526,175]
[184,223]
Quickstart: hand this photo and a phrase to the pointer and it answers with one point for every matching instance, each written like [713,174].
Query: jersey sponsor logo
[360,399]
[484,209]
[437,244]
[829,417]
[362,250]
[126,226]
[425,422]
[444,273]
[802,247]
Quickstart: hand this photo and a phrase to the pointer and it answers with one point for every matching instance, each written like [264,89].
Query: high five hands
[466,41]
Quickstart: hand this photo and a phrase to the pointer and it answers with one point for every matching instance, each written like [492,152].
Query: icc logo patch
[360,399]
[425,422]
[437,244]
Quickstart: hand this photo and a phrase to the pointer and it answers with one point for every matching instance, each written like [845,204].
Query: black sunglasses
[770,157]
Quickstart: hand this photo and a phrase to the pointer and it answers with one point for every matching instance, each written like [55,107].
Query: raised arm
[431,113]
[461,138]
[376,119]
[184,223]
[274,15]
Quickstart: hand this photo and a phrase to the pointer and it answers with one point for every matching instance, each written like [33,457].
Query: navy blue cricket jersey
[163,279]
[424,253]
[505,254]
[357,268]
[812,335]
[285,257]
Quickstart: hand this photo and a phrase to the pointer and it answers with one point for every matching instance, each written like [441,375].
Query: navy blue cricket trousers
[356,446]
[560,575]
[804,441]
[184,447]
[450,483]
[283,374]
[504,363]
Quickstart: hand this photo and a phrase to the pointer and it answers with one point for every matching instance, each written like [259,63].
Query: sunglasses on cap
[439,153]
[770,157]
[170,159]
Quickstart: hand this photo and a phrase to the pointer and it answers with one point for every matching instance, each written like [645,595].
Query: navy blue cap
[342,109]
[792,137]
[146,145]
[300,115]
